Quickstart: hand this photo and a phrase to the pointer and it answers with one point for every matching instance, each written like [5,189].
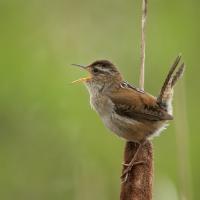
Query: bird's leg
[133,162]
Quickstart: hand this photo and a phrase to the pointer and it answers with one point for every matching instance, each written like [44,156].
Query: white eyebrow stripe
[103,69]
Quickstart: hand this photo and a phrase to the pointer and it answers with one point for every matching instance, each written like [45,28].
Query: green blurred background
[52,145]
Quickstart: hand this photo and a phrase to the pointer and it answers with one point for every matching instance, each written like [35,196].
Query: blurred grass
[52,146]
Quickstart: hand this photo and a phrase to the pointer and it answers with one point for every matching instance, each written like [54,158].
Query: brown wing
[138,105]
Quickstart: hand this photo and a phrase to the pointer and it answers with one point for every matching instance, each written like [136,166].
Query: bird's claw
[129,166]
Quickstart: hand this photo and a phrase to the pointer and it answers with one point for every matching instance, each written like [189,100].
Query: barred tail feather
[166,92]
[178,74]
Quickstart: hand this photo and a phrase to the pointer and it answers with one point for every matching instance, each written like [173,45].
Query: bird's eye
[95,70]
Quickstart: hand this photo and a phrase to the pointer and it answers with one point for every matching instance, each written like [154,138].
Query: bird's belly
[127,128]
[105,108]
[130,129]
[112,125]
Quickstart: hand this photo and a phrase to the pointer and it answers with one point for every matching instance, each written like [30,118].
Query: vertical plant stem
[142,53]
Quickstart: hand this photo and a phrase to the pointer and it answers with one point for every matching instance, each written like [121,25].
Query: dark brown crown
[105,64]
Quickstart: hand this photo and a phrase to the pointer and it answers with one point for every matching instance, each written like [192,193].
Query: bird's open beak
[81,79]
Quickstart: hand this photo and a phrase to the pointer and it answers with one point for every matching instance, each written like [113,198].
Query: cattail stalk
[138,185]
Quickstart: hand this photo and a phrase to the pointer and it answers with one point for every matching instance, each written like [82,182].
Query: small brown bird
[129,112]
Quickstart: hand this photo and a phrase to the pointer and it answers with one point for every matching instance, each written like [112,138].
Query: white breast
[103,105]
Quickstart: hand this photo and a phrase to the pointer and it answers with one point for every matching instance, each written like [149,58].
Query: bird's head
[101,72]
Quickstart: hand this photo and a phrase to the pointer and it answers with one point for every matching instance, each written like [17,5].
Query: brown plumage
[138,105]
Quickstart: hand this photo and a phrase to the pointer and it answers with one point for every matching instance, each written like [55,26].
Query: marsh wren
[127,111]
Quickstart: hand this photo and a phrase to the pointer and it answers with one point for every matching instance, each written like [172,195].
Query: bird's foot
[132,163]
[129,167]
